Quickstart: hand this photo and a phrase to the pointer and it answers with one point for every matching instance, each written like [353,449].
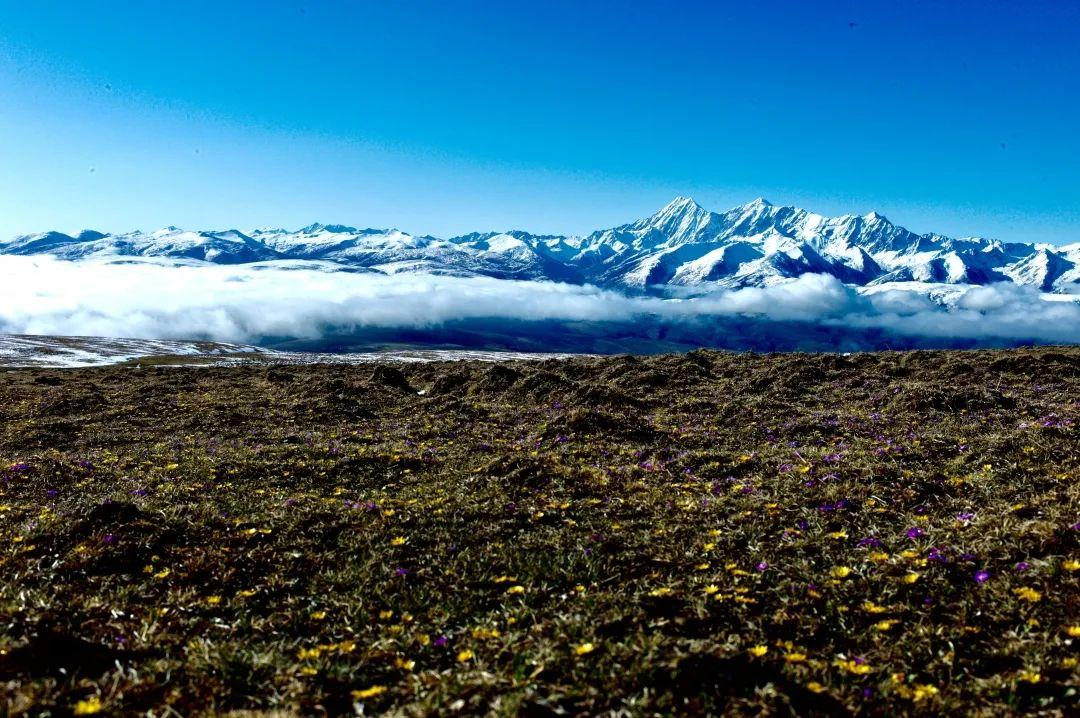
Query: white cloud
[41,295]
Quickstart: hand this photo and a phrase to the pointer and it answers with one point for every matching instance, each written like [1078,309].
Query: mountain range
[683,249]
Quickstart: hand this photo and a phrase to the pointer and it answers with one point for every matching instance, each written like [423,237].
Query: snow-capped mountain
[682,248]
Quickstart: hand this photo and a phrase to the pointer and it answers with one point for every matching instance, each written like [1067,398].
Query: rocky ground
[706,533]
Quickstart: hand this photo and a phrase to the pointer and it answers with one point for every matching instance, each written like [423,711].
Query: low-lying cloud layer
[40,295]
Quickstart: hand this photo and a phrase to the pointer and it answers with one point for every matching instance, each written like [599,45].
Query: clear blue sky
[445,117]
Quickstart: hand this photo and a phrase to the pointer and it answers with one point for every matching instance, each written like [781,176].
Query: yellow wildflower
[88,706]
[368,692]
[398,541]
[795,657]
[1029,676]
[923,691]
[515,590]
[853,666]
[758,651]
[1073,631]
[841,572]
[886,625]
[1028,594]
[910,577]
[1071,565]
[584,648]
[465,656]
[814,687]
[711,589]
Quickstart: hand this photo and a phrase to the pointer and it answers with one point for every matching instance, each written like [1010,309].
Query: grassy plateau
[699,534]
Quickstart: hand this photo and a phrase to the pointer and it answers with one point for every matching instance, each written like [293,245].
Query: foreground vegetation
[707,533]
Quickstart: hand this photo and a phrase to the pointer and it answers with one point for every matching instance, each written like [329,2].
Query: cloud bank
[264,304]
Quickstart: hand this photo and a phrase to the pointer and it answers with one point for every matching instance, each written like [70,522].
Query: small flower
[795,657]
[910,577]
[922,692]
[88,706]
[914,533]
[368,692]
[758,651]
[398,541]
[515,590]
[465,656]
[762,566]
[711,589]
[1073,631]
[982,576]
[1022,566]
[584,648]
[841,572]
[885,625]
[1028,594]
[1071,565]
[1029,676]
[213,600]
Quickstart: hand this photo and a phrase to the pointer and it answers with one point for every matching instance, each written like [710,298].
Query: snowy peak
[680,245]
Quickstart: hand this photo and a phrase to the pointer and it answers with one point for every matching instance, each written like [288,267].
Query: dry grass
[696,534]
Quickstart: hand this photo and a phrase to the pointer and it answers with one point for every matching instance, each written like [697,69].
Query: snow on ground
[69,352]
[22,351]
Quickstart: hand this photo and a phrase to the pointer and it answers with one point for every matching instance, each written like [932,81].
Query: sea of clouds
[250,303]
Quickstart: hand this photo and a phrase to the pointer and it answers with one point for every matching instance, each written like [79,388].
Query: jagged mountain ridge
[682,247]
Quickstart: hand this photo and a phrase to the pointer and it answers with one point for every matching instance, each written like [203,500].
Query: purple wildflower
[1022,566]
[982,576]
[938,555]
[762,566]
[915,532]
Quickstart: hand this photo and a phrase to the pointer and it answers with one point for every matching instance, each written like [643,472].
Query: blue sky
[447,117]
